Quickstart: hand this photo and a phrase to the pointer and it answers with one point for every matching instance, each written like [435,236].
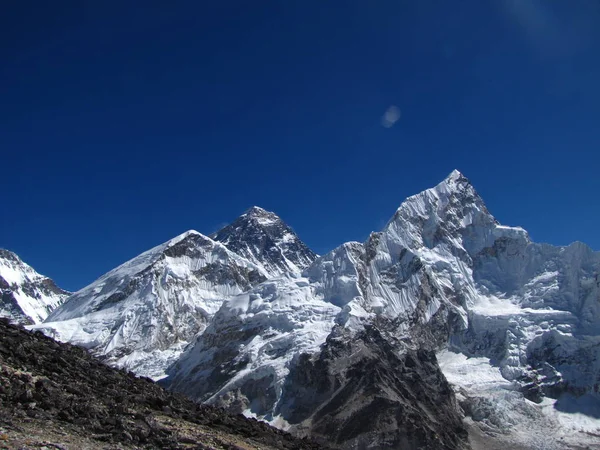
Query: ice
[475,374]
[501,414]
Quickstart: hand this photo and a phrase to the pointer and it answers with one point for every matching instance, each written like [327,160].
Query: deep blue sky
[122,126]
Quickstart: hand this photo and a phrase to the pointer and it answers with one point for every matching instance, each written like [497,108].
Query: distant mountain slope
[262,237]
[142,314]
[26,297]
[57,396]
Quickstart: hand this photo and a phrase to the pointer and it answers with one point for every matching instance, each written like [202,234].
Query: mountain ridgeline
[26,297]
[442,330]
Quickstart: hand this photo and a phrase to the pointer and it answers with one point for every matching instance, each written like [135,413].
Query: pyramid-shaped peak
[183,237]
[441,214]
[257,210]
[455,175]
[454,184]
[264,239]
[260,215]
[455,178]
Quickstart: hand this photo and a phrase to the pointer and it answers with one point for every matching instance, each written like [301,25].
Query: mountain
[322,352]
[57,396]
[263,238]
[26,296]
[142,314]
[445,329]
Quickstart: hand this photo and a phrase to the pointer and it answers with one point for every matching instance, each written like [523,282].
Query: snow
[13,274]
[28,289]
[571,422]
[265,221]
[441,264]
[283,318]
[502,414]
[142,314]
[495,306]
[475,374]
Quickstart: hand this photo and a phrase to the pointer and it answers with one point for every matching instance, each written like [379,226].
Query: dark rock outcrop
[372,392]
[264,239]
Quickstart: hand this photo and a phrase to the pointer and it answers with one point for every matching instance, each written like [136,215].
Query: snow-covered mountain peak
[262,216]
[142,314]
[184,235]
[452,214]
[454,191]
[25,296]
[456,178]
[456,184]
[264,239]
[8,255]
[180,257]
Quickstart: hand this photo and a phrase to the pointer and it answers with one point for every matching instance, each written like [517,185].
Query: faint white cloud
[219,227]
[553,32]
[391,116]
[535,19]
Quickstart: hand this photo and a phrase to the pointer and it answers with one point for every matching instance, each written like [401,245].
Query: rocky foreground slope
[56,396]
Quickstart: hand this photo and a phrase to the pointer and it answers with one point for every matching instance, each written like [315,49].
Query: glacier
[443,314]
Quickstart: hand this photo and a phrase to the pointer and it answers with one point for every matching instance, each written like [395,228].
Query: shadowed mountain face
[262,237]
[58,396]
[365,391]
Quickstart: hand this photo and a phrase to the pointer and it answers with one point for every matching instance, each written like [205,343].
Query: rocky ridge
[263,238]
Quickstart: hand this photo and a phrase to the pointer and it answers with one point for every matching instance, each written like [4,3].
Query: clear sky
[123,124]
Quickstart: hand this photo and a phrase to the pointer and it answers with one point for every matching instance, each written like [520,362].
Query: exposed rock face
[26,297]
[368,391]
[262,237]
[47,387]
